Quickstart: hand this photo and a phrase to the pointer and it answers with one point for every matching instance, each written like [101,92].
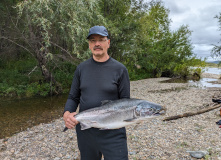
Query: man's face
[98,45]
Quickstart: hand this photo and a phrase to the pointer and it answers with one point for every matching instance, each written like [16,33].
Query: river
[18,115]
[212,70]
[206,82]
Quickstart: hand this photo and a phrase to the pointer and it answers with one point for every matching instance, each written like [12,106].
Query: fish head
[147,109]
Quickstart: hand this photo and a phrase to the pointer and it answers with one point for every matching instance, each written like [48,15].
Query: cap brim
[97,34]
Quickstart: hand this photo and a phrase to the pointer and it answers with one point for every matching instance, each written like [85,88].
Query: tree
[161,51]
[216,51]
[55,28]
[121,24]
[54,31]
[7,17]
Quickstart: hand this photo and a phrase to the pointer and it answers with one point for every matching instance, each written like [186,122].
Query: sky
[199,16]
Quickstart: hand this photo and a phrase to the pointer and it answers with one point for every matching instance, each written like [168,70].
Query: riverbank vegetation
[213,65]
[42,42]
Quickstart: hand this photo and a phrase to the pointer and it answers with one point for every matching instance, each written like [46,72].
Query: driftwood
[188,114]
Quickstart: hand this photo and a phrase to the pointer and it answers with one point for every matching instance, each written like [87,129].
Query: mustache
[97,47]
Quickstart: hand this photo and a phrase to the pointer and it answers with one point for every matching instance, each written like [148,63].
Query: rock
[3,147]
[132,153]
[12,151]
[198,154]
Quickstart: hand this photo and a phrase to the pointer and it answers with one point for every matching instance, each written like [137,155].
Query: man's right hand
[69,119]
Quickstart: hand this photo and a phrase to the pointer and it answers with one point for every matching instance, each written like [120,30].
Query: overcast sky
[199,16]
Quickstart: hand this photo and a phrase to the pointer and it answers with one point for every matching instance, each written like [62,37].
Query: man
[96,79]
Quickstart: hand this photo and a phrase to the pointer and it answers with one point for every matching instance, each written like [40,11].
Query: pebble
[132,153]
[153,139]
[198,154]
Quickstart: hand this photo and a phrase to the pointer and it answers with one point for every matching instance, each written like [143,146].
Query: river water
[18,115]
[212,70]
[206,82]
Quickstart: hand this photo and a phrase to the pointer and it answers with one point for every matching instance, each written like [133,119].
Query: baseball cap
[101,30]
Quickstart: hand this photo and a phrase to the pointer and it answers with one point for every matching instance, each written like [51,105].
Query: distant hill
[216,62]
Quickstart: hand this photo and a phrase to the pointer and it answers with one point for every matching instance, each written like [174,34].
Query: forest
[42,42]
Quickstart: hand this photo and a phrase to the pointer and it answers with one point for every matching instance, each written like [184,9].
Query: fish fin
[130,120]
[84,126]
[105,102]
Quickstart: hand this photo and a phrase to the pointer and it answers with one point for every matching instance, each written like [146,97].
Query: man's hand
[70,121]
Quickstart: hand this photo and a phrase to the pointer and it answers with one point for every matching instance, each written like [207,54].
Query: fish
[115,114]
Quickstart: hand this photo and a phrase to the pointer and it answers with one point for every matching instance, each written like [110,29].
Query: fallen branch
[188,114]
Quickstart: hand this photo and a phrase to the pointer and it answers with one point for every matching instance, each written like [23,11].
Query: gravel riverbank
[154,139]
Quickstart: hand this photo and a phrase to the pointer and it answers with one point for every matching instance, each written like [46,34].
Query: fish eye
[150,109]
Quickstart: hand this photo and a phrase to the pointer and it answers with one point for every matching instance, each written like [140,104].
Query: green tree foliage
[7,17]
[154,33]
[54,33]
[216,51]
[159,50]
[121,24]
[52,27]
[59,23]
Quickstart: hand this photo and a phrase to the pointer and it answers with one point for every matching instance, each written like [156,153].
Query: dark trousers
[93,143]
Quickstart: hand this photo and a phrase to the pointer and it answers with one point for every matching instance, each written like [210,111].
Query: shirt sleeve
[124,84]
[74,95]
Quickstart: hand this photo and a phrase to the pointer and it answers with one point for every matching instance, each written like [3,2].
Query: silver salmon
[118,113]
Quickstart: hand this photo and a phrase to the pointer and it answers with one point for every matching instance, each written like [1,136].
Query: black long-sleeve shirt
[95,81]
